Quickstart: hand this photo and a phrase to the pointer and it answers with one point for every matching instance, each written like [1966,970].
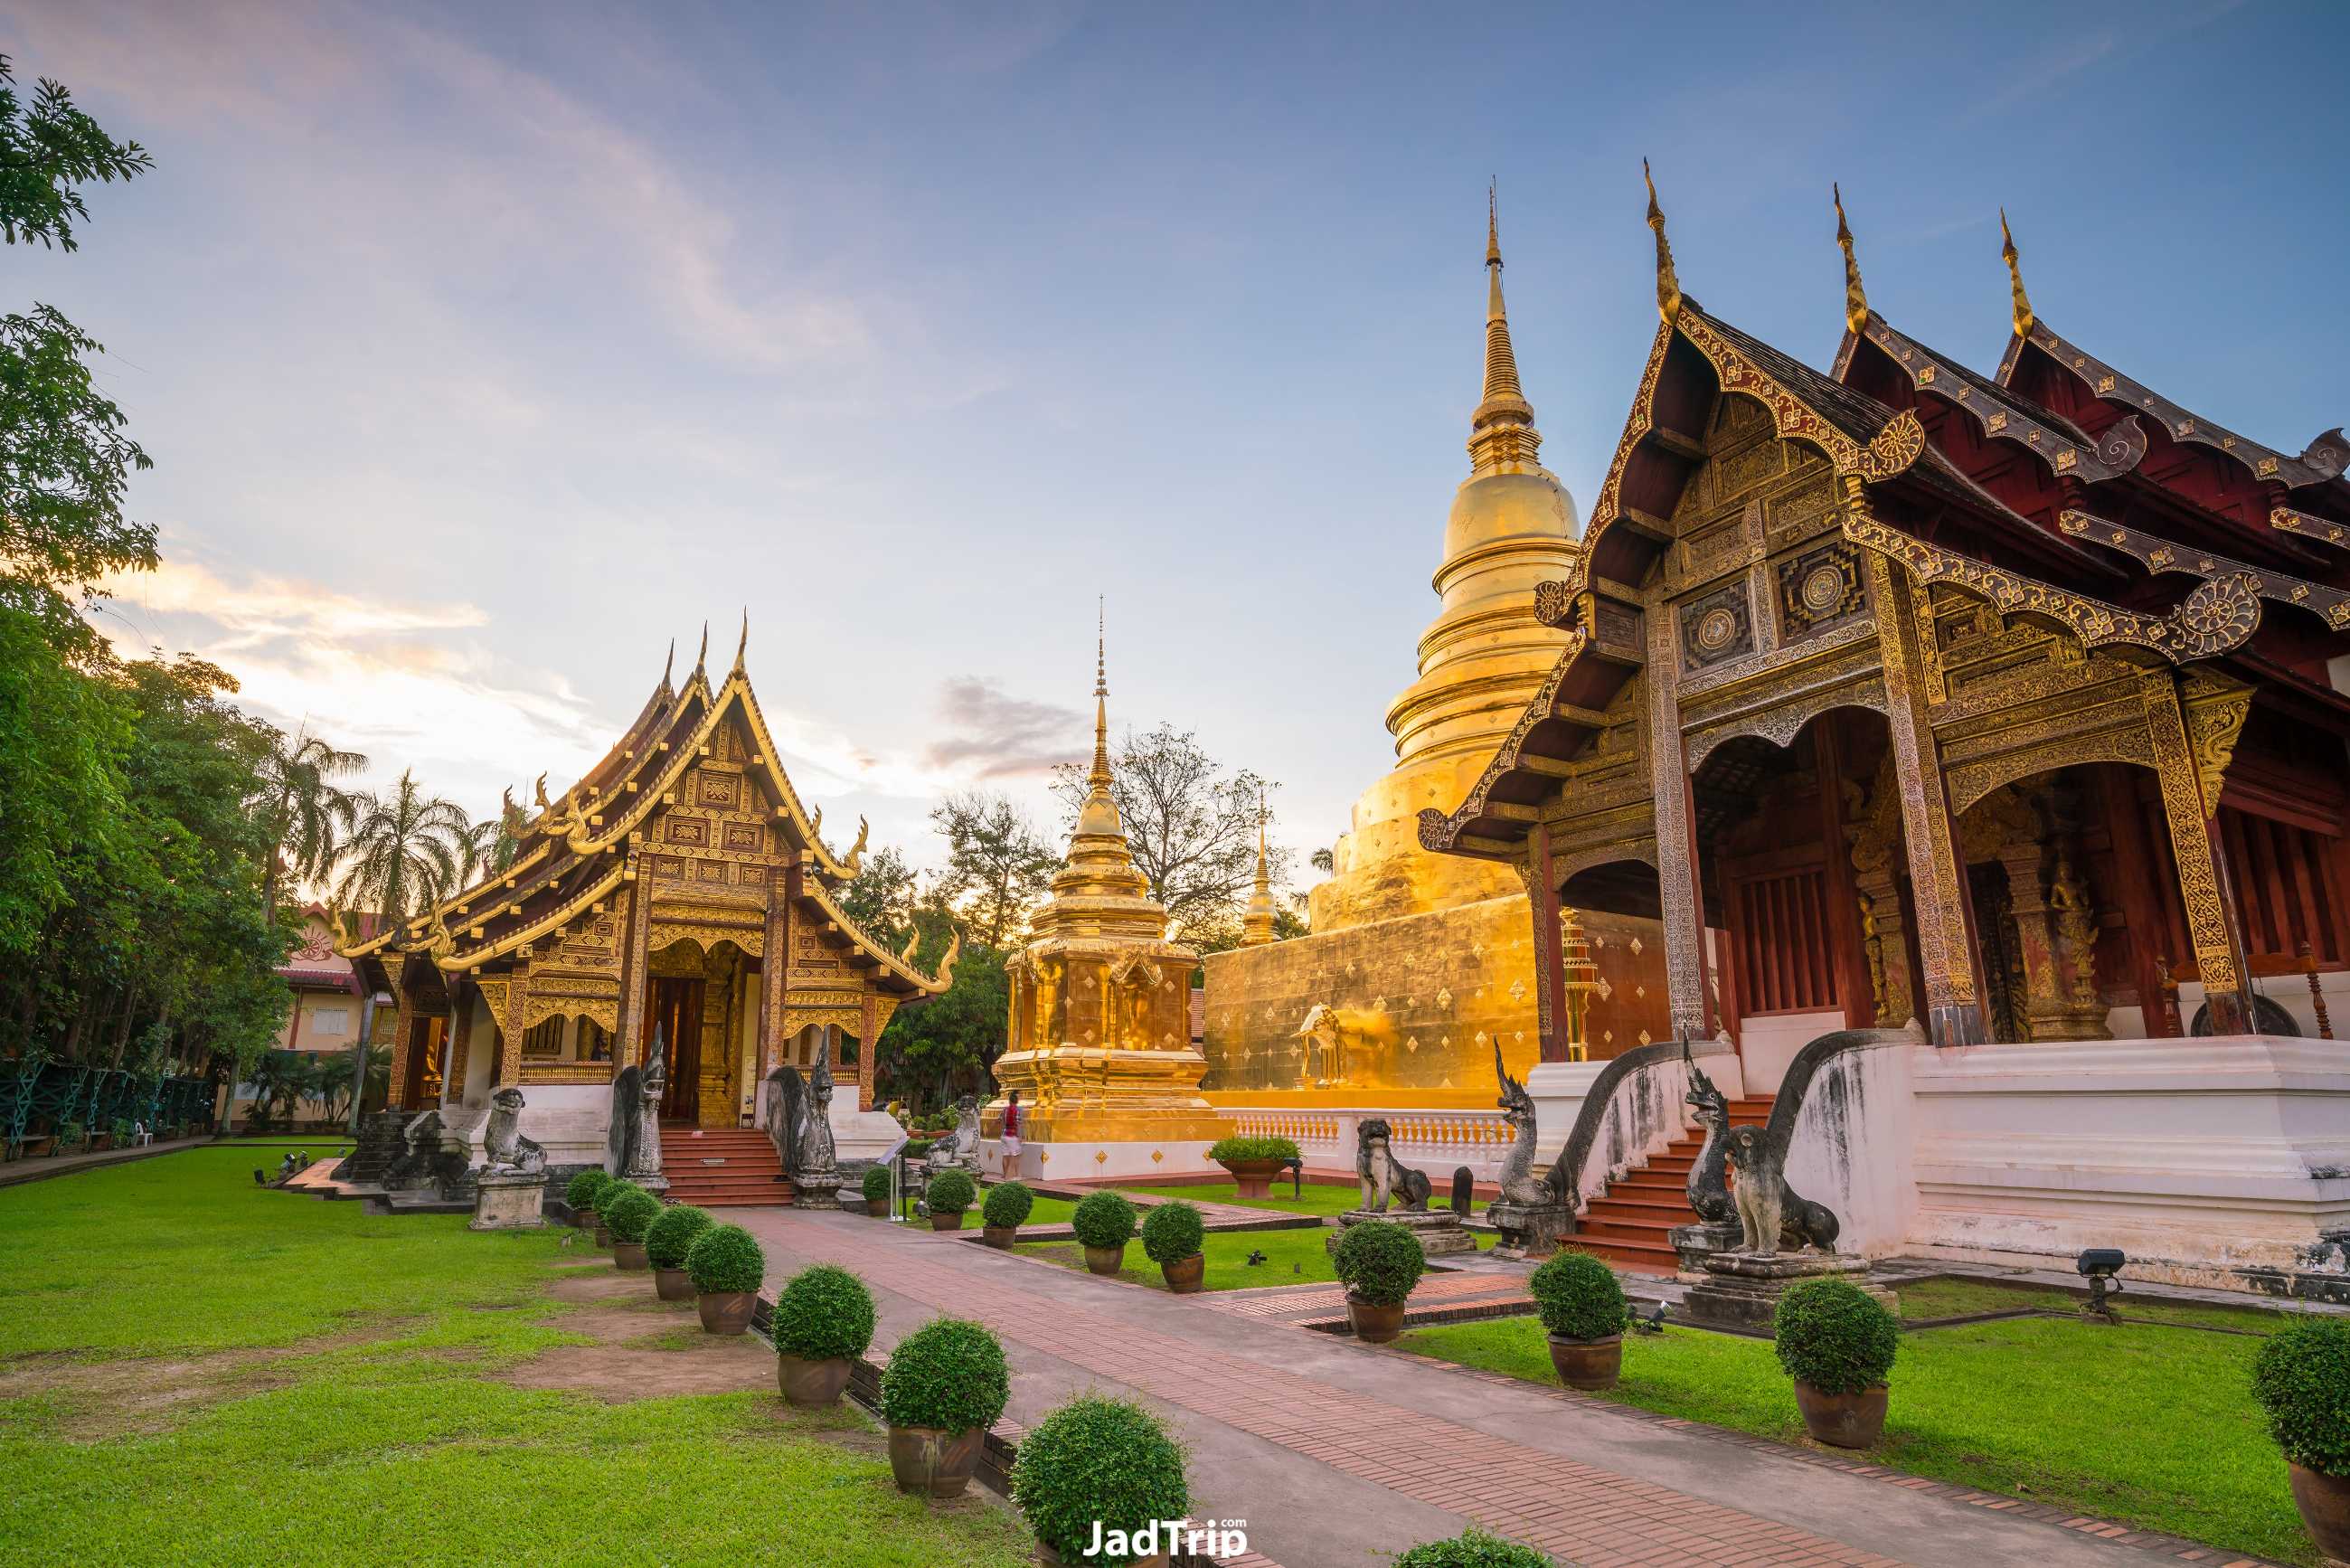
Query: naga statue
[505,1152]
[1520,1181]
[817,1160]
[1709,1184]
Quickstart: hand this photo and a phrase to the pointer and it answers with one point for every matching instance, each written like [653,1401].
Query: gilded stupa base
[1086,1112]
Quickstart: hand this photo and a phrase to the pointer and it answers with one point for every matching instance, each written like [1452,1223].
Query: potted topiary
[824,1321]
[726,1266]
[1837,1342]
[2302,1378]
[877,1192]
[1473,1548]
[1380,1263]
[1105,1224]
[606,1196]
[1096,1468]
[71,1136]
[1171,1235]
[1582,1307]
[666,1244]
[628,1217]
[1007,1208]
[945,1385]
[950,1192]
[1252,1161]
[580,1193]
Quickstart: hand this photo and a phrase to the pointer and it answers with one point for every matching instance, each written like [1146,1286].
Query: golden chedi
[1100,1037]
[1419,964]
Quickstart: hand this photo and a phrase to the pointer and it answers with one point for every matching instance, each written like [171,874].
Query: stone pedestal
[1696,1244]
[508,1200]
[1742,1290]
[1439,1230]
[817,1189]
[1530,1229]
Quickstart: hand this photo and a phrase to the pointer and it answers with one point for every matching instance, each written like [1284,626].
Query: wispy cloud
[988,734]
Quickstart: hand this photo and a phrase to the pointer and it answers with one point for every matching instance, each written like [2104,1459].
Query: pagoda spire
[2009,254]
[1501,434]
[1256,928]
[1856,299]
[1097,781]
[1668,287]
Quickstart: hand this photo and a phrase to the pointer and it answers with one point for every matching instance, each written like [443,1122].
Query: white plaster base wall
[570,1121]
[1097,1161]
[1766,1044]
[1851,1148]
[2197,1157]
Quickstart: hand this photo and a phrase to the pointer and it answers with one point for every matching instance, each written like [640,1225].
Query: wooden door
[676,1012]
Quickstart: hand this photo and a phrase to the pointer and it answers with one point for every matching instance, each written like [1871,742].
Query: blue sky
[482,351]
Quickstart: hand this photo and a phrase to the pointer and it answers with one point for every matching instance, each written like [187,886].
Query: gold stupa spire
[1856,299]
[1501,434]
[1097,781]
[2009,254]
[1256,928]
[1668,288]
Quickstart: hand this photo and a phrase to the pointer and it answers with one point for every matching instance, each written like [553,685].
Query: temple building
[2006,709]
[1099,1039]
[1419,964]
[680,892]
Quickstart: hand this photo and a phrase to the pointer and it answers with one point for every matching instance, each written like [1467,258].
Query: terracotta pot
[1587,1364]
[1375,1324]
[583,1219]
[673,1285]
[879,1208]
[629,1255]
[1048,1557]
[1842,1420]
[725,1311]
[946,1222]
[2325,1503]
[999,1237]
[929,1462]
[812,1384]
[1252,1177]
[1105,1260]
[1186,1277]
[603,1234]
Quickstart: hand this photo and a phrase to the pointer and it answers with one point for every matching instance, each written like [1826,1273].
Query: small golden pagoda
[1256,927]
[1099,1033]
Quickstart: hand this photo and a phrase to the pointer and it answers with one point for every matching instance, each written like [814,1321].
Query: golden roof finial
[1502,432]
[1855,301]
[1668,288]
[1492,223]
[702,655]
[1098,780]
[669,664]
[2009,254]
[742,645]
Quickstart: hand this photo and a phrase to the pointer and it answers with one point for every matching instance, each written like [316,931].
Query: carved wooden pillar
[518,1001]
[775,970]
[2145,916]
[635,953]
[1937,887]
[1550,972]
[460,1039]
[866,1052]
[1681,892]
[2193,742]
[403,1027]
[2035,937]
[1854,993]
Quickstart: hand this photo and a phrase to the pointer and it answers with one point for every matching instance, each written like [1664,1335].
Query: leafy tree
[1322,860]
[998,865]
[950,1038]
[882,896]
[1193,828]
[63,738]
[405,852]
[308,810]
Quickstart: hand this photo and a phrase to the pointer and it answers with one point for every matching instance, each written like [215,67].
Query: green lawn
[1292,1258]
[341,1404]
[1321,1200]
[2151,1425]
[1955,1297]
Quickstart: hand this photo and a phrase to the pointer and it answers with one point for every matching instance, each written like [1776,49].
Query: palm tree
[308,812]
[403,852]
[1324,860]
[488,845]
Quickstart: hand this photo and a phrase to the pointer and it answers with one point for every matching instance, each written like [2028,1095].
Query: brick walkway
[1339,1455]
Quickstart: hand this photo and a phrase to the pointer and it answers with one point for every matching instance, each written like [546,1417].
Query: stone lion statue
[1771,1214]
[1383,1175]
[505,1150]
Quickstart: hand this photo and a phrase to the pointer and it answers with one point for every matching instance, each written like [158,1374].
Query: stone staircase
[723,1167]
[1629,1224]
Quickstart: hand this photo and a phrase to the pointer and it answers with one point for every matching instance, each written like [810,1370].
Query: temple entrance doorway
[422,1082]
[675,1017]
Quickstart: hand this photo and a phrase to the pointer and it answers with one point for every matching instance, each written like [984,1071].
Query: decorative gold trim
[2158,555]
[2189,811]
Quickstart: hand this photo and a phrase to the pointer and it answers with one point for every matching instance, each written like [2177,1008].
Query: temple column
[775,970]
[1681,891]
[1854,993]
[1953,990]
[2029,905]
[1550,966]
[2190,775]
[510,1048]
[403,1027]
[866,1052]
[634,945]
[461,1037]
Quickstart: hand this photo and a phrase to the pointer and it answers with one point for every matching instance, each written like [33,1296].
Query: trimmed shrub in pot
[950,1193]
[1380,1264]
[1473,1548]
[1582,1307]
[2302,1378]
[1172,1234]
[606,1196]
[1254,1162]
[1837,1342]
[824,1320]
[666,1244]
[1105,1224]
[1098,1460]
[726,1265]
[945,1385]
[1005,1211]
[877,1192]
[581,1192]
[628,1217]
